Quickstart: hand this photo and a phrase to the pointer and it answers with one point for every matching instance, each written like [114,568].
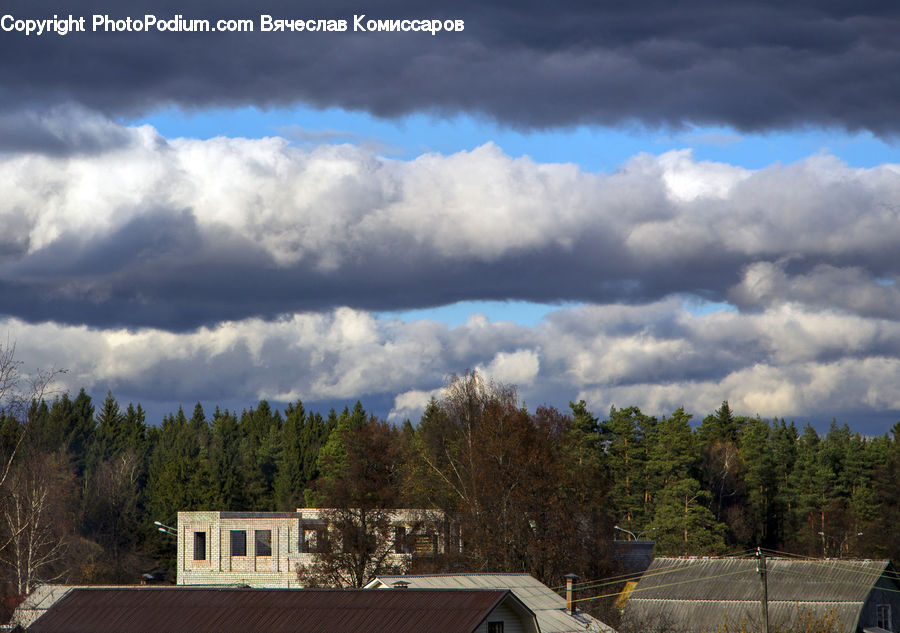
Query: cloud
[177,234]
[520,367]
[784,361]
[756,66]
[61,130]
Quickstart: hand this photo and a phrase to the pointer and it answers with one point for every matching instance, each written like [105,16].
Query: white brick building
[263,549]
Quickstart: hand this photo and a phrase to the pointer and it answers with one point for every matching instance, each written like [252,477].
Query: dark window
[263,542]
[401,545]
[238,543]
[495,627]
[883,617]
[199,545]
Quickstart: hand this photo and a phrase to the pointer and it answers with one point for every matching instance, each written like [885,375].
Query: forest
[540,491]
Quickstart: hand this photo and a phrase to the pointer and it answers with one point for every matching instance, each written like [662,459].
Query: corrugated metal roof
[42,598]
[701,593]
[229,610]
[548,606]
[736,579]
[712,615]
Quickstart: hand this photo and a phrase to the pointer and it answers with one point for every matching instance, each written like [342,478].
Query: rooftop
[231,610]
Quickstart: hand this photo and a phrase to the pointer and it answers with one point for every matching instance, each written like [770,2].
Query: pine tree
[290,480]
[760,479]
[226,469]
[625,463]
[81,431]
[261,446]
[682,522]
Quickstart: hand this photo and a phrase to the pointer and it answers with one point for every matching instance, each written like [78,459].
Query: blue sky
[593,148]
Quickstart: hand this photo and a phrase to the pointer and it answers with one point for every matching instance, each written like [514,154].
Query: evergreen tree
[116,433]
[784,456]
[261,446]
[81,431]
[290,480]
[179,477]
[682,522]
[60,422]
[625,464]
[226,469]
[761,485]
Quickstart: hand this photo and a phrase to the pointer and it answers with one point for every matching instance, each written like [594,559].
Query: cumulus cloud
[181,233]
[755,66]
[182,269]
[785,361]
[520,367]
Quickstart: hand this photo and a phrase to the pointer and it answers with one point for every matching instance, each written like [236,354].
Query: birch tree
[37,520]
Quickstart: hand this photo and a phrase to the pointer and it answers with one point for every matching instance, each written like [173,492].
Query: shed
[703,594]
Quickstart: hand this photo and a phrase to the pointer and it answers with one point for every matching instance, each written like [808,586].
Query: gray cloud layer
[235,269]
[181,233]
[751,65]
[787,360]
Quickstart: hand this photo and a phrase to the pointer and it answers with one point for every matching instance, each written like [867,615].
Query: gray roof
[548,606]
[698,594]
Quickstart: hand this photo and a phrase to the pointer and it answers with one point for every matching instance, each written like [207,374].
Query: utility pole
[764,603]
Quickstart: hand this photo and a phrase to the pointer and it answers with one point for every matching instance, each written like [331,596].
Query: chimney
[400,584]
[570,593]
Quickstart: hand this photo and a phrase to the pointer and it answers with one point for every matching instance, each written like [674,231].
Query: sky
[650,203]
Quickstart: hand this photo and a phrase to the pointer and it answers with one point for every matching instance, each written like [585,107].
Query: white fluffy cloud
[234,268]
[785,361]
[141,231]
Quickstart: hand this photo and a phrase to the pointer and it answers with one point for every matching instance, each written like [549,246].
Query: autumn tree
[515,482]
[360,471]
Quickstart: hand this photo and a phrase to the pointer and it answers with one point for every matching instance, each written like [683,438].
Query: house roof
[702,593]
[42,598]
[548,606]
[232,610]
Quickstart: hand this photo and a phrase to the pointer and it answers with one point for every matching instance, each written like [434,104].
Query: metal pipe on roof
[570,592]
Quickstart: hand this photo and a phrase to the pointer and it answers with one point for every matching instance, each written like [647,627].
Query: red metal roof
[233,610]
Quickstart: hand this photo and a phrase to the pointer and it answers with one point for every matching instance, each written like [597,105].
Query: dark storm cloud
[752,65]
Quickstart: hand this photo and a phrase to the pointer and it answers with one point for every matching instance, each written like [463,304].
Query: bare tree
[33,526]
[514,481]
[111,510]
[357,545]
[36,520]
[17,391]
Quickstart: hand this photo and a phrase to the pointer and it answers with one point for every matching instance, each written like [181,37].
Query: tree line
[541,492]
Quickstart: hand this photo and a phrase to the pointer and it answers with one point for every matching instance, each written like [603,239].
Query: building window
[263,542]
[309,541]
[199,545]
[426,544]
[883,617]
[495,627]
[401,545]
[238,543]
